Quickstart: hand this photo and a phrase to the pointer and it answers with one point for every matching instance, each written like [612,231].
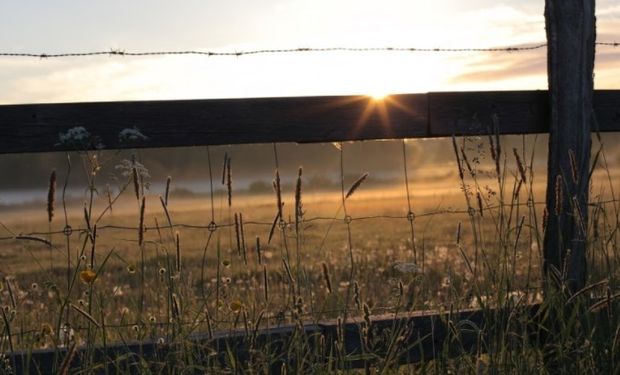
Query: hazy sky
[43,26]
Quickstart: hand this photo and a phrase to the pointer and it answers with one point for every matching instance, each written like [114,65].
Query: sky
[42,26]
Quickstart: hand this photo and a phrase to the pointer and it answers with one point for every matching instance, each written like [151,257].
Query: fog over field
[25,176]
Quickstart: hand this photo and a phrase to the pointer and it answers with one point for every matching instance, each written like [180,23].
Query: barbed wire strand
[123,53]
[211,226]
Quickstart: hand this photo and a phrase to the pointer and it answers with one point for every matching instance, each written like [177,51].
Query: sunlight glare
[378,95]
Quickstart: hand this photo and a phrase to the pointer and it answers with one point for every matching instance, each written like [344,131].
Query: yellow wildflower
[46,329]
[88,276]
[235,306]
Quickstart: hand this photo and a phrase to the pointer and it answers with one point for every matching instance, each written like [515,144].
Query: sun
[379,95]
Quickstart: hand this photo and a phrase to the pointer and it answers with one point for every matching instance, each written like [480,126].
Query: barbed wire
[214,226]
[123,53]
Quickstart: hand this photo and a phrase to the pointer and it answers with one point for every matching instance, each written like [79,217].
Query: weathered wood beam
[571,36]
[410,338]
[36,127]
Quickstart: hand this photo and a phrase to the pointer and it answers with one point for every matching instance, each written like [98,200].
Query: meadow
[137,263]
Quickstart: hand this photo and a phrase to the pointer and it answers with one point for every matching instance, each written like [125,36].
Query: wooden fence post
[571,33]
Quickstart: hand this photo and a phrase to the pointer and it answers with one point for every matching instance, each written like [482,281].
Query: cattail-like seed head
[356,185]
[498,149]
[258,251]
[242,233]
[136,182]
[273,227]
[520,165]
[168,181]
[328,282]
[229,181]
[298,203]
[51,196]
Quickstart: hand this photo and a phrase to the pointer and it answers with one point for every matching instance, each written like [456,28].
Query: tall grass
[232,268]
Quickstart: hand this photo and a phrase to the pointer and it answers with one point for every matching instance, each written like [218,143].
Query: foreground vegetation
[130,264]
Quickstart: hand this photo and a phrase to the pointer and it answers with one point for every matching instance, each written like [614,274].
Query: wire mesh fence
[219,264]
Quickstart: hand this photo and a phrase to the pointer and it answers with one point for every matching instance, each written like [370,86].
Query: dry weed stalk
[229,181]
[136,180]
[558,195]
[141,222]
[573,165]
[178,246]
[265,284]
[458,158]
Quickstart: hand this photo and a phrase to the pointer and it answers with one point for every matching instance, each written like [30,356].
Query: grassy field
[134,267]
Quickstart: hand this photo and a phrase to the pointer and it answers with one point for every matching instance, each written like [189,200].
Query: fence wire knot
[67,230]
[212,227]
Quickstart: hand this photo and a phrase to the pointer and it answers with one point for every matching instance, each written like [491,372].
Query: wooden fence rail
[417,337]
[36,127]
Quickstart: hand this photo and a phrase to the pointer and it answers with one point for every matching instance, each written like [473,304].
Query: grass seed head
[356,185]
[51,196]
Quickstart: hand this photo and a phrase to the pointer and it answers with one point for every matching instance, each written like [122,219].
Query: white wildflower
[131,135]
[66,335]
[117,291]
[126,168]
[73,135]
[406,267]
